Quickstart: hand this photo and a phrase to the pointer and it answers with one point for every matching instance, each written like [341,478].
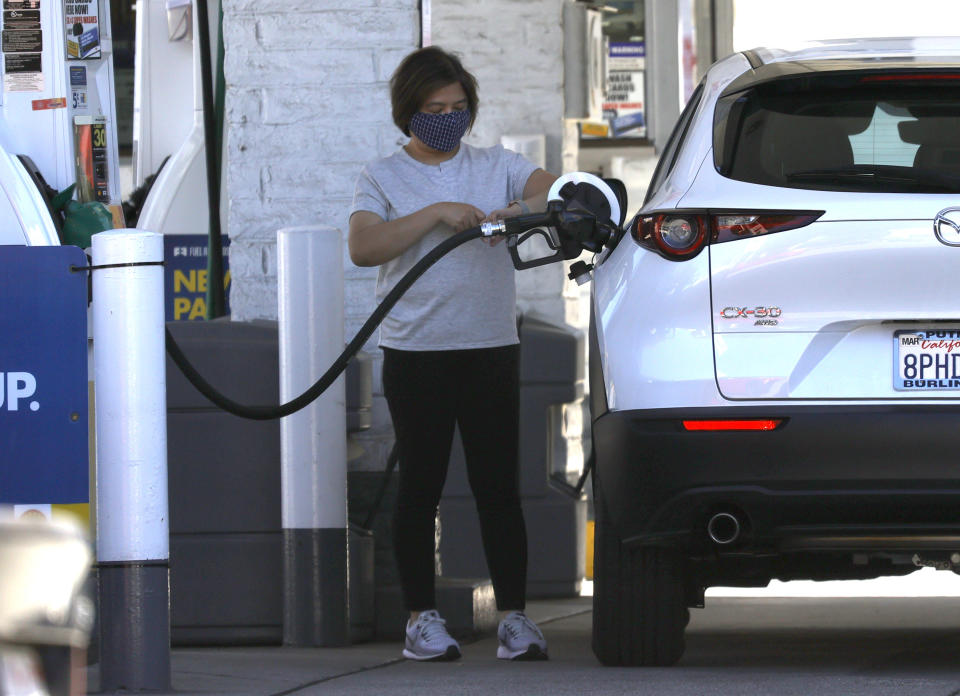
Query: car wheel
[639,612]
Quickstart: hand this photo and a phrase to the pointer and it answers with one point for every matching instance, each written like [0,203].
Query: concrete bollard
[133,549]
[313,440]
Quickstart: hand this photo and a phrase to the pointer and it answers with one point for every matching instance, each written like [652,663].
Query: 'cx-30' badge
[947,226]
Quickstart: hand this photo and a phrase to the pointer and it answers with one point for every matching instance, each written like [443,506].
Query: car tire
[639,612]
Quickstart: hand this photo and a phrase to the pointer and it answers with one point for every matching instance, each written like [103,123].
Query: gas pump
[57,115]
[175,172]
[58,150]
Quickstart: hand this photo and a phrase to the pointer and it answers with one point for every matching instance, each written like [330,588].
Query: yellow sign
[599,130]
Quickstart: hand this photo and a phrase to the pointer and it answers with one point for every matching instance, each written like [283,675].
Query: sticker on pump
[54,103]
[78,76]
[23,72]
[21,19]
[21,41]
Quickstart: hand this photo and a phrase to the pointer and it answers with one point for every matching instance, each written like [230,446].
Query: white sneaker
[427,639]
[520,639]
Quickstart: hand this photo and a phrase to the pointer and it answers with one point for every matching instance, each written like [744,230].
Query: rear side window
[851,132]
[669,156]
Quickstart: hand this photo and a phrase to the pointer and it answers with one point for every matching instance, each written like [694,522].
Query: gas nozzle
[583,214]
[522,223]
[519,224]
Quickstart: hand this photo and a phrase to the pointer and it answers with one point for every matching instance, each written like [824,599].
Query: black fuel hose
[340,364]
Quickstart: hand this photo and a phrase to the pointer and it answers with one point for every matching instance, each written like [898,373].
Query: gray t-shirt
[467,299]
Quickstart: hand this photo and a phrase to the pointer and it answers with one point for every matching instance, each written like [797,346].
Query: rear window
[851,132]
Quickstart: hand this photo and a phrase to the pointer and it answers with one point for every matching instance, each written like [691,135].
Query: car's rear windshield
[892,132]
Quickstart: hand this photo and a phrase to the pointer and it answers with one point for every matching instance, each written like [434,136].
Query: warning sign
[21,19]
[623,104]
[22,41]
[23,72]
[24,63]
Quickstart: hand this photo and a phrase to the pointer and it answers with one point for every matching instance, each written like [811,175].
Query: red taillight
[676,236]
[682,234]
[730,226]
[751,424]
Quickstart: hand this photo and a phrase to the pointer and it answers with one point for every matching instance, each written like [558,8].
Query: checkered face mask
[440,131]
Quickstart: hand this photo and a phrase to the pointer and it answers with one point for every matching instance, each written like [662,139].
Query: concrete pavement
[261,671]
[736,646]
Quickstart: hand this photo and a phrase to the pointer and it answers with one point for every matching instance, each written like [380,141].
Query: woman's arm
[534,196]
[536,189]
[372,241]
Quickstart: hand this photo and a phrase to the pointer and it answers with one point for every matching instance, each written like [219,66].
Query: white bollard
[133,548]
[313,440]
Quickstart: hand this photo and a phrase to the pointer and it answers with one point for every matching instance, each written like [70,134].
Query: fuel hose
[340,364]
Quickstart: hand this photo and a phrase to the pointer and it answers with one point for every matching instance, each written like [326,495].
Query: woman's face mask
[440,131]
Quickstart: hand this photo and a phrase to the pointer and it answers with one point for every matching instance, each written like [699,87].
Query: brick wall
[306,106]
[515,50]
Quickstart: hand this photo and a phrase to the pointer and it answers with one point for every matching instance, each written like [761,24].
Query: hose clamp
[488,229]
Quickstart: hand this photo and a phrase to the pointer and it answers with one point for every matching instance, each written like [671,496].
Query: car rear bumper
[830,478]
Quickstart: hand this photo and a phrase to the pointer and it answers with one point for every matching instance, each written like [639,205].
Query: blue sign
[185,276]
[43,376]
[627,49]
[78,76]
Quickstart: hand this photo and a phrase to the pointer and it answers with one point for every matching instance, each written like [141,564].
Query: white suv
[775,344]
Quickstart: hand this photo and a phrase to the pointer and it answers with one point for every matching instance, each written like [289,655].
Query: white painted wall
[307,104]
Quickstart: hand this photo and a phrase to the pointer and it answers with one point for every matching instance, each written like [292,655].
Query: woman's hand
[510,211]
[459,216]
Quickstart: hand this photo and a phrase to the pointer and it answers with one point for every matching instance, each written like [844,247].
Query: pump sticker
[78,76]
[21,19]
[23,72]
[78,84]
[54,103]
[21,4]
[82,21]
[22,41]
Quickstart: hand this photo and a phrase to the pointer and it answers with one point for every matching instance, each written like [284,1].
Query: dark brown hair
[421,74]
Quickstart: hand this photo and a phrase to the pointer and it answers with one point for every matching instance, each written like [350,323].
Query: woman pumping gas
[450,344]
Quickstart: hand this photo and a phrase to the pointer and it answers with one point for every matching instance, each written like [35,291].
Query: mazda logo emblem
[947,226]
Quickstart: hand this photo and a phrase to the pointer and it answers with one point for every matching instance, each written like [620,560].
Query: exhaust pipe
[723,528]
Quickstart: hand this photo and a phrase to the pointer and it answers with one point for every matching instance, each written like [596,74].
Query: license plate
[926,359]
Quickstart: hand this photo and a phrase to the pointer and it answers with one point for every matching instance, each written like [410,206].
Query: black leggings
[479,390]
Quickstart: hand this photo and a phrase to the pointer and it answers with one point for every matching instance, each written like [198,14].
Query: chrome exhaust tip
[723,528]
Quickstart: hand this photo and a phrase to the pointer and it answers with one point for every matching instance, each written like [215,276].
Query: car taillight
[730,226]
[675,236]
[682,234]
[728,425]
